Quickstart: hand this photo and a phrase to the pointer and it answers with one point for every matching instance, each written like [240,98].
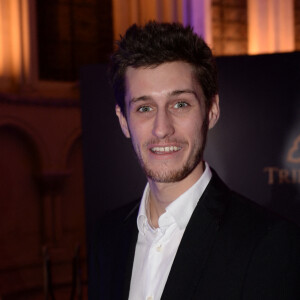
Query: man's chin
[168,176]
[164,173]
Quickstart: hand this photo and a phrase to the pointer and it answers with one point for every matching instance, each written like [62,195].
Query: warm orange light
[125,13]
[14,40]
[270,26]
[1,40]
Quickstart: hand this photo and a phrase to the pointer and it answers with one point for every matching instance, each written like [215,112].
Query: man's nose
[163,125]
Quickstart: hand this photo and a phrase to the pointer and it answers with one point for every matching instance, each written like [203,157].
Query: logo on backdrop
[294,152]
[287,176]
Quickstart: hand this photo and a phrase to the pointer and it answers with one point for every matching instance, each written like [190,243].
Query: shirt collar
[142,221]
[181,208]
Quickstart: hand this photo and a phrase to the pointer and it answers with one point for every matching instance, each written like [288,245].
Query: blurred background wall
[43,44]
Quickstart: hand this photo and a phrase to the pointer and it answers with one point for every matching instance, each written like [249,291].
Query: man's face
[166,120]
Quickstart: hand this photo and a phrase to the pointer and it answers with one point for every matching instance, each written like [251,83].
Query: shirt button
[159,248]
[149,298]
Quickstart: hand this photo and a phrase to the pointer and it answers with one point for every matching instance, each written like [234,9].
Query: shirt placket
[154,261]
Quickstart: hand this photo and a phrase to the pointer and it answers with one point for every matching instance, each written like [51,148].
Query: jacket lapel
[131,227]
[123,255]
[197,242]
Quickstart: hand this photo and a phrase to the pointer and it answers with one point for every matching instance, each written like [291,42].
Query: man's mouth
[167,149]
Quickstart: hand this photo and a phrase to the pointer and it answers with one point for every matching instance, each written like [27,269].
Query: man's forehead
[135,79]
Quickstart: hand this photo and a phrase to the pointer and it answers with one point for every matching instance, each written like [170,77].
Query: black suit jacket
[231,249]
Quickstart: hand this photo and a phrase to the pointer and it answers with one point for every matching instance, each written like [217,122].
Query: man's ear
[214,112]
[123,121]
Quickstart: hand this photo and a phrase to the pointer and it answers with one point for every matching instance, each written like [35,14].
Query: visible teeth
[165,149]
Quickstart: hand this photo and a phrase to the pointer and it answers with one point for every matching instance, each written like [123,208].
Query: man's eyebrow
[173,93]
[186,91]
[141,98]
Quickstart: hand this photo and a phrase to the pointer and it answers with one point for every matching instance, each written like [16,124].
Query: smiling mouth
[164,150]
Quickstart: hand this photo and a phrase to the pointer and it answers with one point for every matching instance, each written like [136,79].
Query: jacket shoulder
[243,216]
[114,222]
[120,214]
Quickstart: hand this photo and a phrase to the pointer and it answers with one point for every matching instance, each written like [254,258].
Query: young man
[189,237]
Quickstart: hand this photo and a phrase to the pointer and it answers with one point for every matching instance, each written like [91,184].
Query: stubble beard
[170,176]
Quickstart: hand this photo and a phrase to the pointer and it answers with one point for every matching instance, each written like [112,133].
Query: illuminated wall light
[16,39]
[15,51]
[1,41]
[197,13]
[2,38]
[270,26]
[193,12]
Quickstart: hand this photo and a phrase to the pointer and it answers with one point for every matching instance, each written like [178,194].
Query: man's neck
[163,194]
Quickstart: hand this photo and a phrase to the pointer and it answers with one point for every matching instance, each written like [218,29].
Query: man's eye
[180,104]
[145,109]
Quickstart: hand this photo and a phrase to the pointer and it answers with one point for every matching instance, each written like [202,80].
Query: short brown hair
[157,43]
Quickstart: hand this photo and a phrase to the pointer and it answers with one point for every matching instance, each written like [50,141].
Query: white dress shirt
[156,247]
